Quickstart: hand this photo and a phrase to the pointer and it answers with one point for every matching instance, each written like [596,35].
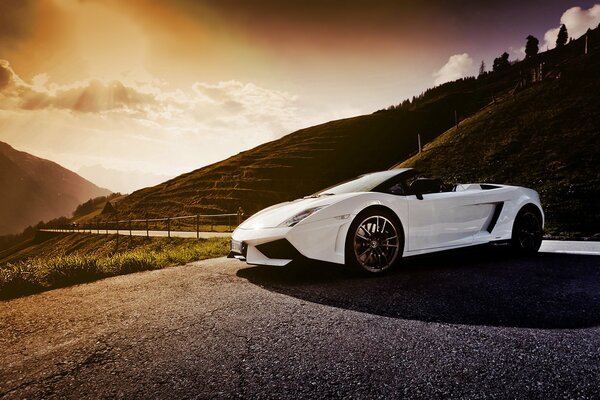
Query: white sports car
[372,221]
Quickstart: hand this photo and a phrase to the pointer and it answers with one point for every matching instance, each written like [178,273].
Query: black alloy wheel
[374,242]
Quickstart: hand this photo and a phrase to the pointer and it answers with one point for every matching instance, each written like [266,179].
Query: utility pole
[240,212]
[586,44]
[419,140]
[456,119]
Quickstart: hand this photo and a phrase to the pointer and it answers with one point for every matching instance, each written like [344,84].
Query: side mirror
[419,196]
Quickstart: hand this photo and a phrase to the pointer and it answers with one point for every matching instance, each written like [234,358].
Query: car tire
[375,242]
[527,232]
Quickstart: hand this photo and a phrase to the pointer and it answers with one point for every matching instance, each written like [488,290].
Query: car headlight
[300,216]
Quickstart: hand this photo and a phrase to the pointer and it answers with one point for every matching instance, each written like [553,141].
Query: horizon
[171,88]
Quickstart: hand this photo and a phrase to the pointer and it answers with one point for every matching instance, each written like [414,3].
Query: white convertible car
[372,221]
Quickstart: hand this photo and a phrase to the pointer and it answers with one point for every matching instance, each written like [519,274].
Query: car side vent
[487,186]
[495,216]
[281,249]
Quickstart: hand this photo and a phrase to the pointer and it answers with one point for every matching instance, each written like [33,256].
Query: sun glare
[111,44]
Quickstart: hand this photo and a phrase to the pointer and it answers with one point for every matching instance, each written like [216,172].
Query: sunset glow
[132,93]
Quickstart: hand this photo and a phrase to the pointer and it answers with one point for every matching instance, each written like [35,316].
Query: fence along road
[202,226]
[133,232]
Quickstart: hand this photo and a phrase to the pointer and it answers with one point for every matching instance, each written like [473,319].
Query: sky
[131,93]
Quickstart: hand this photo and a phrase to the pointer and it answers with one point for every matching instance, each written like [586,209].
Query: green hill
[512,130]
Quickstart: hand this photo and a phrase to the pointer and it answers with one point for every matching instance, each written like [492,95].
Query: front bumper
[322,240]
[246,244]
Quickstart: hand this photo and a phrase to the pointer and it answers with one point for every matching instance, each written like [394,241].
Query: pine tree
[482,68]
[562,37]
[501,63]
[531,47]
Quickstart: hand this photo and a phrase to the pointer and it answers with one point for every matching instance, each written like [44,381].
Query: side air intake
[495,216]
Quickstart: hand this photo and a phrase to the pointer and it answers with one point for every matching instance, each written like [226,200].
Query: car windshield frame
[363,183]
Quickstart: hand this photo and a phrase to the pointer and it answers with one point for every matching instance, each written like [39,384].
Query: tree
[501,63]
[482,68]
[531,47]
[562,37]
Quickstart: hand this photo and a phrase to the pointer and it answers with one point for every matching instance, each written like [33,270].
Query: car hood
[273,216]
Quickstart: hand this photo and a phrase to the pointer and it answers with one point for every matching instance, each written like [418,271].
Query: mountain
[34,189]
[513,128]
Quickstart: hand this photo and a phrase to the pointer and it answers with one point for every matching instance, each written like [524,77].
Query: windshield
[364,183]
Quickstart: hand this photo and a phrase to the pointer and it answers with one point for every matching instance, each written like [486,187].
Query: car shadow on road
[481,286]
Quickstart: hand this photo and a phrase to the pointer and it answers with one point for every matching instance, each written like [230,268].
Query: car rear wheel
[374,242]
[527,232]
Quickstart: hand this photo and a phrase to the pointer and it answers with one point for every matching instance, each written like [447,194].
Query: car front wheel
[374,242]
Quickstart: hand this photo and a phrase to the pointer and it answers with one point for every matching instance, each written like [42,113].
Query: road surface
[471,324]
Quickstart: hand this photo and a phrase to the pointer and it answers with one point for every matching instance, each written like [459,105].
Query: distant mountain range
[534,123]
[34,189]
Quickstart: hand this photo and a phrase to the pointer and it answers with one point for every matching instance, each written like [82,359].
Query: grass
[68,259]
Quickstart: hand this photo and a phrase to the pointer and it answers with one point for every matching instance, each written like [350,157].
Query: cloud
[229,103]
[249,93]
[143,126]
[91,96]
[86,96]
[5,75]
[458,66]
[577,21]
[234,105]
[518,52]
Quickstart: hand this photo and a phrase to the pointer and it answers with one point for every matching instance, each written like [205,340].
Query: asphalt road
[471,324]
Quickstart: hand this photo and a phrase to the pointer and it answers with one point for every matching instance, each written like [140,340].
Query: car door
[446,219]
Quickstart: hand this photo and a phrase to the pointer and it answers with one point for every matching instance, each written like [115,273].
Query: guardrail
[199,223]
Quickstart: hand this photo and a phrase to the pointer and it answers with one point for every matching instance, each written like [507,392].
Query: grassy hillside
[316,157]
[63,259]
[93,208]
[544,136]
[35,189]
